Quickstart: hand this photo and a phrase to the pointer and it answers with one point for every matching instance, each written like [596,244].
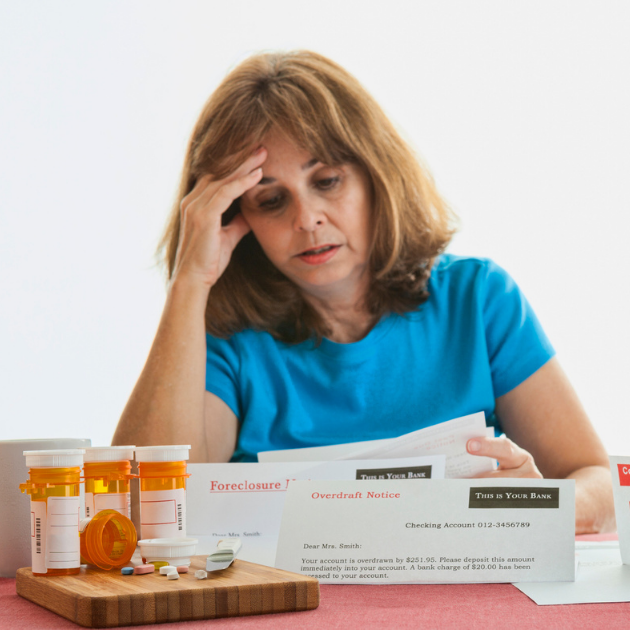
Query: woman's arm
[170,404]
[555,439]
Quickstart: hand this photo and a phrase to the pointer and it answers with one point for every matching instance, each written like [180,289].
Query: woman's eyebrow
[309,164]
[270,180]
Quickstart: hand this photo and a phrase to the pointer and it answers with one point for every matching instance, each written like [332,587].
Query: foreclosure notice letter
[441,531]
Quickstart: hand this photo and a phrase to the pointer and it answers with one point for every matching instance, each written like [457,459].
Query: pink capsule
[182,569]
[143,568]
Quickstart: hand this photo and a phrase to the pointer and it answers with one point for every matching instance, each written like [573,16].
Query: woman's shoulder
[469,277]
[451,268]
[245,344]
[242,338]
[454,264]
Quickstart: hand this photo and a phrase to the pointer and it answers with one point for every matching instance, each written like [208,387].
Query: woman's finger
[236,230]
[206,210]
[253,161]
[514,461]
[503,450]
[199,188]
[229,191]
[205,189]
[218,196]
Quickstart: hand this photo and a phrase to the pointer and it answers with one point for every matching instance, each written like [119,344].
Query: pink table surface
[443,606]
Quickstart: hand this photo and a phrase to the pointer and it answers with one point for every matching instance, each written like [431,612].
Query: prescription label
[55,540]
[62,533]
[119,501]
[163,513]
[38,536]
[624,474]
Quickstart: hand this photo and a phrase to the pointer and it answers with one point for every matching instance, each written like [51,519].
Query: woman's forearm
[167,403]
[594,507]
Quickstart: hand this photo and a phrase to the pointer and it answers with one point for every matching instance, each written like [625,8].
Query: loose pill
[143,568]
[159,564]
[201,575]
[127,570]
[173,575]
[165,570]
[182,569]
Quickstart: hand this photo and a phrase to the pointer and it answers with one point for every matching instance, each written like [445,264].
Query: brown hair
[328,113]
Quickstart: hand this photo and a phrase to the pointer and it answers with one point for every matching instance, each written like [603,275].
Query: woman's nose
[307,216]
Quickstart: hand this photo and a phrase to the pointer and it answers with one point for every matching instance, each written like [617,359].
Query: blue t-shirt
[473,340]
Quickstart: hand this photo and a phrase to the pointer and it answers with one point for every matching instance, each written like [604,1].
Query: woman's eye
[327,183]
[271,204]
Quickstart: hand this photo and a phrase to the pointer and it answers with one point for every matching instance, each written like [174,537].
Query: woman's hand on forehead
[205,246]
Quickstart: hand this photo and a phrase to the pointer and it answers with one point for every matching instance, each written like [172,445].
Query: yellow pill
[159,564]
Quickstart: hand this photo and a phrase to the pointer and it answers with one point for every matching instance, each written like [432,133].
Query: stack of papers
[447,438]
[246,501]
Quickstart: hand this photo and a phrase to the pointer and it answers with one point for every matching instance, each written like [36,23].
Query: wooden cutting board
[105,599]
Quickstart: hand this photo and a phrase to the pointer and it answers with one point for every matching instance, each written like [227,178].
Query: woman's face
[312,220]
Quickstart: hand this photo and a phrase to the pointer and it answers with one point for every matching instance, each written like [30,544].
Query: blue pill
[127,570]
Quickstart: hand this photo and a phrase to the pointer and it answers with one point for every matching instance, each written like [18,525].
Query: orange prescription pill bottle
[54,483]
[108,539]
[162,472]
[107,473]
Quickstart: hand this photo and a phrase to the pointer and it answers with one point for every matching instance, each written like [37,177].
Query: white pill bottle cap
[58,458]
[108,453]
[162,453]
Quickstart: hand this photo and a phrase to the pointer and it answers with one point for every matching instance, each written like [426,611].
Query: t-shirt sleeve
[517,344]
[222,369]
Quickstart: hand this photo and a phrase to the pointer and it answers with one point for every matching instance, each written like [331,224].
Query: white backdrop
[521,111]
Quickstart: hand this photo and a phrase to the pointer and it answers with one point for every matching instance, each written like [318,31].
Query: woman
[310,303]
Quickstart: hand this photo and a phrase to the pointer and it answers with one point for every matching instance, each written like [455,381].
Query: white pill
[167,569]
[201,575]
[173,575]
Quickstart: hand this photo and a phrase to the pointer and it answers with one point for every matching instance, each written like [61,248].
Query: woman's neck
[345,314]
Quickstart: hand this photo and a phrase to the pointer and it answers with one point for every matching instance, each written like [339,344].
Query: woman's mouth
[319,255]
